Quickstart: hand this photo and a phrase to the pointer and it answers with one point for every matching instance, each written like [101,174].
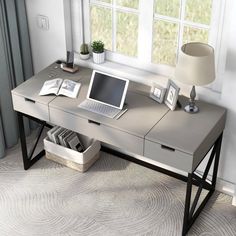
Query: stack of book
[65,138]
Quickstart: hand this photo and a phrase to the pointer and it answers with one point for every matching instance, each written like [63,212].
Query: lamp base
[191,109]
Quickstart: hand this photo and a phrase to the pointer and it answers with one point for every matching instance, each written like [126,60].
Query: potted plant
[98,51]
[84,52]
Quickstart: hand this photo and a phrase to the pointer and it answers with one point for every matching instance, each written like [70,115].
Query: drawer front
[30,107]
[98,131]
[168,156]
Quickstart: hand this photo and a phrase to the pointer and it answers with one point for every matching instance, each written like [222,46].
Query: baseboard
[221,185]
[227,188]
[234,200]
[234,196]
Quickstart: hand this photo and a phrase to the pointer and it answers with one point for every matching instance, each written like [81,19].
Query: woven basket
[72,164]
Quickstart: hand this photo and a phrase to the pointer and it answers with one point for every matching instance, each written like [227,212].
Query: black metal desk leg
[191,212]
[187,205]
[217,158]
[28,159]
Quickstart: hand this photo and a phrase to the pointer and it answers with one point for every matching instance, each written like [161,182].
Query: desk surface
[186,132]
[144,129]
[30,88]
[143,113]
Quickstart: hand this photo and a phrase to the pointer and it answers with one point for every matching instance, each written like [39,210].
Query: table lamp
[195,66]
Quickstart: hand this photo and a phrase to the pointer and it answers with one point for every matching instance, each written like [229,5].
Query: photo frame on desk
[157,93]
[172,94]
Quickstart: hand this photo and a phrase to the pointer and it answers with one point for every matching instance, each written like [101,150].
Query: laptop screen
[107,89]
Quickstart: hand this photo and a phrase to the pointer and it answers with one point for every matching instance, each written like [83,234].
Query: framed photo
[157,93]
[172,94]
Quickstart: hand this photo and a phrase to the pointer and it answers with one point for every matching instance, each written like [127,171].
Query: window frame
[146,19]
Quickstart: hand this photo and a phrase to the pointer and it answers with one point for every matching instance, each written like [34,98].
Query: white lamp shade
[196,64]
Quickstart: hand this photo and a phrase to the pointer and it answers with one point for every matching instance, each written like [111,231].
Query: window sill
[133,74]
[147,78]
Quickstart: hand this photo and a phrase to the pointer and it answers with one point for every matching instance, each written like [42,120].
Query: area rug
[114,198]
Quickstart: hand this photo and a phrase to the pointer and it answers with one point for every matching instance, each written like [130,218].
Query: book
[55,135]
[66,138]
[49,133]
[74,142]
[63,136]
[59,86]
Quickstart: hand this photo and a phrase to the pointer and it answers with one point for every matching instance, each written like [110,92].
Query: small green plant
[97,46]
[84,49]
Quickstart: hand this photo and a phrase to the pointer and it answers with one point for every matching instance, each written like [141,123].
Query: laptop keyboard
[99,108]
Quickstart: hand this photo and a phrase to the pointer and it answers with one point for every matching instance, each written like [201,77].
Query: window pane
[198,11]
[195,35]
[127,33]
[101,25]
[167,7]
[128,3]
[164,42]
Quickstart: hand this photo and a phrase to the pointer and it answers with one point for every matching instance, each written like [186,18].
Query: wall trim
[228,188]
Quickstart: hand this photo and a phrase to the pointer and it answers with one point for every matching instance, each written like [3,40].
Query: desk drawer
[168,156]
[30,107]
[100,132]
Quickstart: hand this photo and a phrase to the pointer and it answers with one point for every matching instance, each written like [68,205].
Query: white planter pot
[84,56]
[98,58]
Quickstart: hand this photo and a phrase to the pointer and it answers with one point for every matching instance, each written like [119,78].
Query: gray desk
[149,129]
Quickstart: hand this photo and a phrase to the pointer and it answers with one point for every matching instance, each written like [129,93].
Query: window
[178,22]
[149,34]
[116,24]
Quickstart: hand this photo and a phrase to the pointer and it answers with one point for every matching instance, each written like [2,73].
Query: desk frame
[190,211]
[28,158]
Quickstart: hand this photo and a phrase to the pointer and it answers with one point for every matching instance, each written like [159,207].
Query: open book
[59,86]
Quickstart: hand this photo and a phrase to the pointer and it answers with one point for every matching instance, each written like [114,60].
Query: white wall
[48,46]
[228,98]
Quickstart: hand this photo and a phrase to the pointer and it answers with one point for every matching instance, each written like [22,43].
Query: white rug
[115,197]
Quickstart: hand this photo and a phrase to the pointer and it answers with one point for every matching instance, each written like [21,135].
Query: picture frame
[171,96]
[157,93]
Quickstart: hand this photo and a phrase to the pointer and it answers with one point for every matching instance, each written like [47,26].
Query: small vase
[98,58]
[84,56]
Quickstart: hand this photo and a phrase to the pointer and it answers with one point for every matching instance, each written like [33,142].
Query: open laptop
[106,94]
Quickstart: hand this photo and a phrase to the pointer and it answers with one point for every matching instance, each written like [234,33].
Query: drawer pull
[167,148]
[29,100]
[93,122]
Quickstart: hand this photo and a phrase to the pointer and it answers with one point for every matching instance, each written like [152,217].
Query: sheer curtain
[15,66]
